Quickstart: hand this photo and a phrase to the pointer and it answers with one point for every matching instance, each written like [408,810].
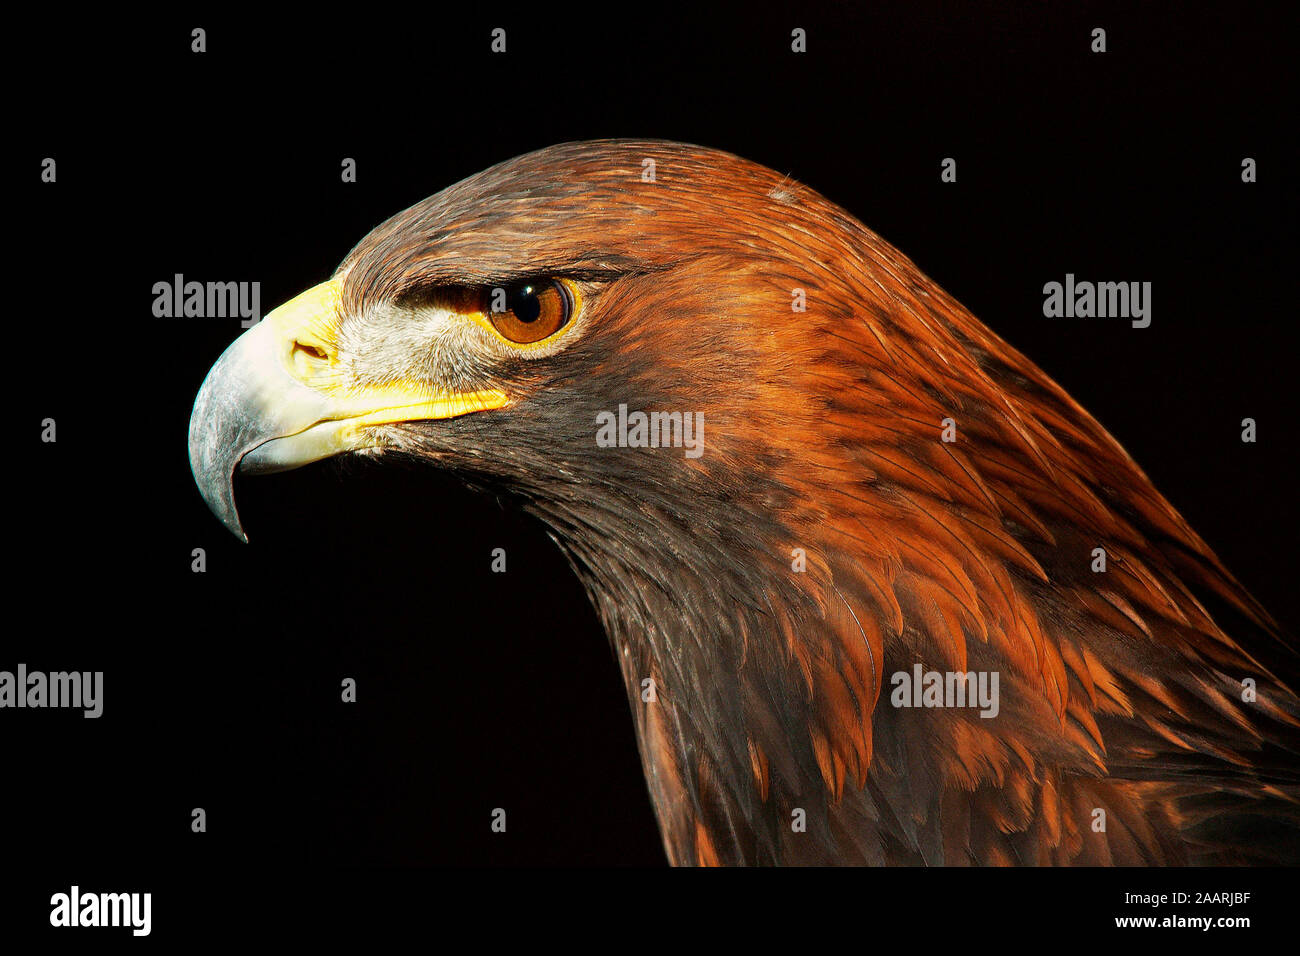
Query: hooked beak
[279,398]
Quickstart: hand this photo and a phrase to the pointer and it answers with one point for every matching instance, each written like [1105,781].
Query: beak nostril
[310,350]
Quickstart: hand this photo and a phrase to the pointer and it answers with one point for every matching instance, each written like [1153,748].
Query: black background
[479,690]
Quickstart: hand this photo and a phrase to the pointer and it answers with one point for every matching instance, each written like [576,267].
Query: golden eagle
[804,488]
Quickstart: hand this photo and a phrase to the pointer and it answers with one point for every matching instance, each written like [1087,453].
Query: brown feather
[1120,690]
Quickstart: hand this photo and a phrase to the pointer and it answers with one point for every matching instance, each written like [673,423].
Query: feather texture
[1121,695]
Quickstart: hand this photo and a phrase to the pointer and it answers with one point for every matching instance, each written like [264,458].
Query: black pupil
[525,302]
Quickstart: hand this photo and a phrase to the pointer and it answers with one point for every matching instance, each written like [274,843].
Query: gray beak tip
[217,488]
[246,403]
[217,441]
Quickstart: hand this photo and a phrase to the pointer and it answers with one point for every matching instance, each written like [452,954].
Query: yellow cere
[310,320]
[307,325]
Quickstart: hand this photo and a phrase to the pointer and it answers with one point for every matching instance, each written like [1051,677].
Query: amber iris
[531,310]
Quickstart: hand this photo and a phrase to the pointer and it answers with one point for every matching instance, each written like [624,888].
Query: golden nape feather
[861,494]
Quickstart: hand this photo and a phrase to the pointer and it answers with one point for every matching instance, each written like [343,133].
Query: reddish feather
[1120,690]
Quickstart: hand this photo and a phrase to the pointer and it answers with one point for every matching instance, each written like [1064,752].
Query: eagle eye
[529,311]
